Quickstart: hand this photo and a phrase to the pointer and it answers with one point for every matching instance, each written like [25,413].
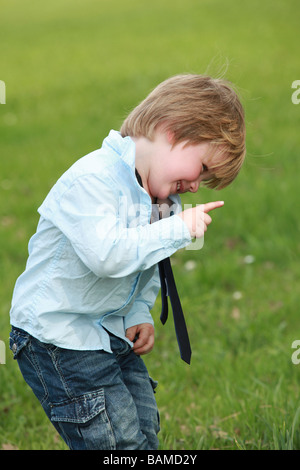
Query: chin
[163,196]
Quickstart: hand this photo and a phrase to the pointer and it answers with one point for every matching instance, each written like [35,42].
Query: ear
[170,137]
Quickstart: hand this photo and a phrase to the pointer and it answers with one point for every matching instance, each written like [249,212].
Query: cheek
[193,174]
[192,167]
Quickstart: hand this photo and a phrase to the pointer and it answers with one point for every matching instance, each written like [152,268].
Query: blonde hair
[196,109]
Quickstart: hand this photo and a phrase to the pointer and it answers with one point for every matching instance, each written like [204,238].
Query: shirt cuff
[138,314]
[173,234]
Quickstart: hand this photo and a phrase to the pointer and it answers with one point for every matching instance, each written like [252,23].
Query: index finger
[209,206]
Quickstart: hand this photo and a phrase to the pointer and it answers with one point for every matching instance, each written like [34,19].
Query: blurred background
[72,71]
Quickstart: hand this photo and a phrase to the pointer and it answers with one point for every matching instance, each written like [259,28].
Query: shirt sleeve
[88,214]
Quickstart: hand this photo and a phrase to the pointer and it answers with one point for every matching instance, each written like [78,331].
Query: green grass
[72,72]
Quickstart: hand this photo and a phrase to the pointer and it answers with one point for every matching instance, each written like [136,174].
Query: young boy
[81,310]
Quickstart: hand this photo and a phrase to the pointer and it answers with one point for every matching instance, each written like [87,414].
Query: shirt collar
[123,146]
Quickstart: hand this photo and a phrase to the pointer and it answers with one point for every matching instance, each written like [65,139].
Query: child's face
[178,169]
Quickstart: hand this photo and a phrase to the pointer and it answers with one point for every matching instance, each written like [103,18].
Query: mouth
[179,188]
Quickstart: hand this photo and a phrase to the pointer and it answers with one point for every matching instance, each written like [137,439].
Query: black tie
[168,288]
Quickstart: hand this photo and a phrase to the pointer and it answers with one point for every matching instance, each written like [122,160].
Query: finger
[131,333]
[146,348]
[202,221]
[207,219]
[209,206]
[142,339]
[145,342]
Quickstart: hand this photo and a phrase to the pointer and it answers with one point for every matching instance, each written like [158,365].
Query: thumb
[131,332]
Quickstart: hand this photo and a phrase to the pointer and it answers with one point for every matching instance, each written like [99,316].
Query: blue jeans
[95,400]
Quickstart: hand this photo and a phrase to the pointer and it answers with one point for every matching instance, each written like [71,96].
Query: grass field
[73,69]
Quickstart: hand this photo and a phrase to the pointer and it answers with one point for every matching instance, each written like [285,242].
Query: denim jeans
[95,400]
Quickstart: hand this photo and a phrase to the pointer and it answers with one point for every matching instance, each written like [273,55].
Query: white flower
[190,265]
[237,295]
[249,259]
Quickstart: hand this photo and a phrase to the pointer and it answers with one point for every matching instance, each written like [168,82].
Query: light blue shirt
[92,264]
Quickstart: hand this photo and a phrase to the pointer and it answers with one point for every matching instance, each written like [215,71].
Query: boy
[81,310]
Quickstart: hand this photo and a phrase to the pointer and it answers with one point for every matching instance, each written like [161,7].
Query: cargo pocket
[18,339]
[83,422]
[154,384]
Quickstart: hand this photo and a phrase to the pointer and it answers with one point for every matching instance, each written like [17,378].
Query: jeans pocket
[154,384]
[18,339]
[83,422]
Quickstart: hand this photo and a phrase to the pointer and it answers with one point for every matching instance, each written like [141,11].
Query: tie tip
[187,359]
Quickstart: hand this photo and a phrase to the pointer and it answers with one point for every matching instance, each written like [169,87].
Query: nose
[194,186]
